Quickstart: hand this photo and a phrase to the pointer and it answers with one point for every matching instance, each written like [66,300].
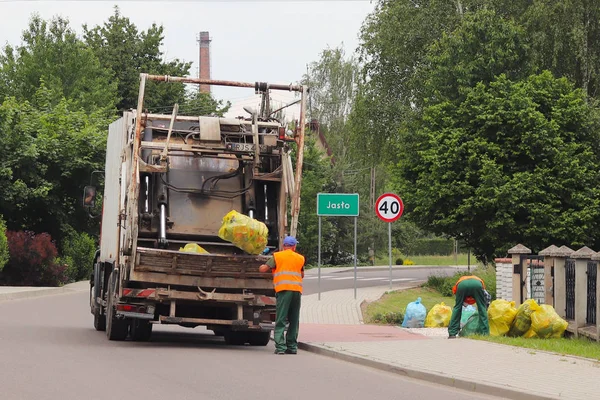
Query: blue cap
[290,241]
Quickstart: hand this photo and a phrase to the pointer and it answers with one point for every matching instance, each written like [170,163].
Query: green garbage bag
[466,313]
[471,326]
[522,321]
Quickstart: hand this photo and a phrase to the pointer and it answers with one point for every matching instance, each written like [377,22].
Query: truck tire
[99,318]
[116,329]
[259,338]
[235,338]
[141,330]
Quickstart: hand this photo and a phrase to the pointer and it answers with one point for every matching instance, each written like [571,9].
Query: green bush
[389,318]
[78,254]
[444,284]
[435,247]
[3,244]
[399,261]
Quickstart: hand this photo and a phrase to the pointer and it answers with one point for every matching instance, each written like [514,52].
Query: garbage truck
[169,181]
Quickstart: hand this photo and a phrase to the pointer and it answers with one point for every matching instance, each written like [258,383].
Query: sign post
[337,205]
[389,207]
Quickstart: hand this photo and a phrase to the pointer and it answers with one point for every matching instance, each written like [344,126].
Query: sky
[271,41]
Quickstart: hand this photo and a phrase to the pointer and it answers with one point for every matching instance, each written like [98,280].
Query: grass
[461,259]
[397,301]
[581,347]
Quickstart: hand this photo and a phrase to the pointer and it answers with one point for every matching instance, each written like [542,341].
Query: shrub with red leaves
[32,261]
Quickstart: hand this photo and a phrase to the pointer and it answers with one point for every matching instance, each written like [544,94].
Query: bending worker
[287,267]
[469,288]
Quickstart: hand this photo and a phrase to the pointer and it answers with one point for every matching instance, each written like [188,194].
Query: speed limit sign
[389,207]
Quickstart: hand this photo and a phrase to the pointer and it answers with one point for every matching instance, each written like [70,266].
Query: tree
[515,162]
[564,40]
[198,103]
[3,244]
[482,47]
[47,154]
[52,54]
[394,41]
[126,51]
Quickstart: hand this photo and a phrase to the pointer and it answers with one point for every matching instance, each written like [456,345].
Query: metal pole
[355,230]
[390,249]
[469,260]
[319,258]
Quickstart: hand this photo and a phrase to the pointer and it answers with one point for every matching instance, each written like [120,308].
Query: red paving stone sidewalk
[320,333]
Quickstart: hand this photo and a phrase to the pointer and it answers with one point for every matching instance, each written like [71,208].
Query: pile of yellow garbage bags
[244,232]
[529,320]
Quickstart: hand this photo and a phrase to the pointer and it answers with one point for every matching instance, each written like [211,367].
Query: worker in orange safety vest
[469,288]
[287,267]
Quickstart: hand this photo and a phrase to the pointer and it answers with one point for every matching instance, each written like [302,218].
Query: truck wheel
[259,338]
[99,319]
[116,329]
[235,338]
[141,330]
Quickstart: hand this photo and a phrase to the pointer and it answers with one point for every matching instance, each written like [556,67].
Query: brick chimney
[204,60]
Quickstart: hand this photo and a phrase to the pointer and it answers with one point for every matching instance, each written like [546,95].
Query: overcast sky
[269,41]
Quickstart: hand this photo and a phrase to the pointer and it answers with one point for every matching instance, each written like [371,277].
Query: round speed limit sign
[389,207]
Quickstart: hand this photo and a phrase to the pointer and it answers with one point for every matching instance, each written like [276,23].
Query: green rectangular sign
[337,204]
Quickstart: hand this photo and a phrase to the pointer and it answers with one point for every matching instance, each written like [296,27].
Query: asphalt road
[334,279]
[50,351]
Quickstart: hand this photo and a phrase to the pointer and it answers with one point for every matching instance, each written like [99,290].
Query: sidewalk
[333,327]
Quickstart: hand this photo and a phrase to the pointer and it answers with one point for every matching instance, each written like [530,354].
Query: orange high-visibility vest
[288,271]
[464,278]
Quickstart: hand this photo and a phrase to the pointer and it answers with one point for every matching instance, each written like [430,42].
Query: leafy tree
[78,253]
[47,153]
[481,48]
[52,54]
[316,177]
[564,40]
[3,244]
[515,162]
[126,51]
[198,103]
[394,42]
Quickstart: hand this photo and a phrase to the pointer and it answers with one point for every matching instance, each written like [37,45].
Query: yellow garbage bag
[501,315]
[546,323]
[193,248]
[530,334]
[522,321]
[438,316]
[244,232]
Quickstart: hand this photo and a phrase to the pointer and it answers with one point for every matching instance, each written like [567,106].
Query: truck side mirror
[89,196]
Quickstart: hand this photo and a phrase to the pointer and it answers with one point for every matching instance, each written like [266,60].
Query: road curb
[472,386]
[28,294]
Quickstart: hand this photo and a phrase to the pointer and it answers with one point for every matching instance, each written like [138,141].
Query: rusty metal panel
[194,214]
[195,281]
[117,140]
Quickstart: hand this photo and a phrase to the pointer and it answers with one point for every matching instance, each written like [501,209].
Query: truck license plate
[249,147]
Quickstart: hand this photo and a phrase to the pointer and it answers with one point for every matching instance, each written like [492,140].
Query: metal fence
[570,288]
[537,290]
[592,272]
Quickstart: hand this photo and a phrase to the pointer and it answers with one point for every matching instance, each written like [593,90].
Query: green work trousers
[288,309]
[473,288]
